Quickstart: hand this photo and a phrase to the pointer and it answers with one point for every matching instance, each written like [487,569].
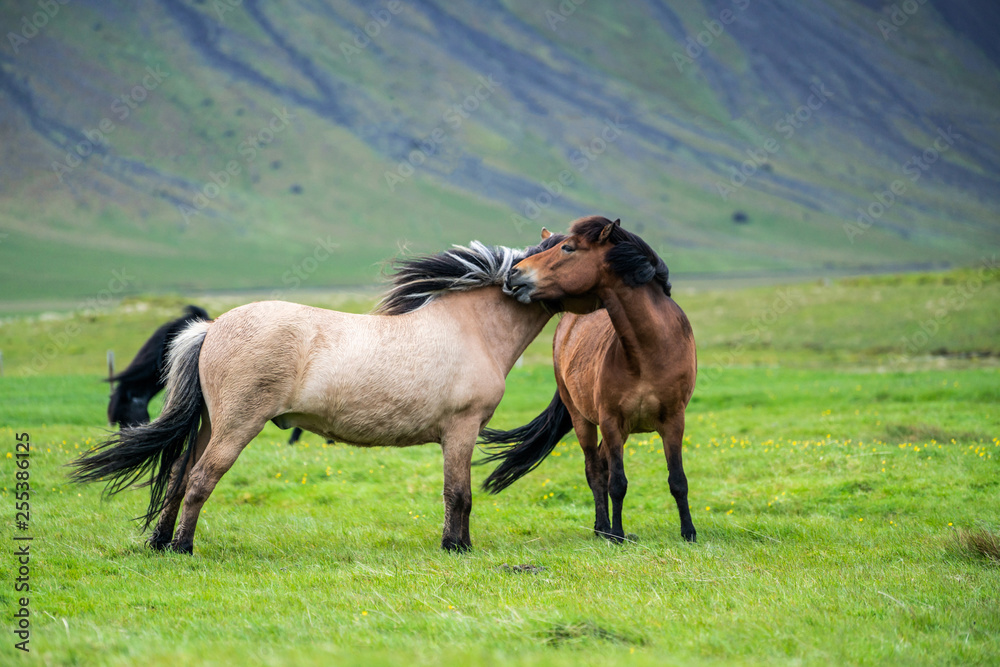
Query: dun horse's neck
[637,315]
[507,326]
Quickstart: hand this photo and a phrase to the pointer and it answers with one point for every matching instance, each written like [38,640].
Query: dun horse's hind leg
[596,467]
[164,531]
[223,448]
[672,433]
[613,446]
[457,446]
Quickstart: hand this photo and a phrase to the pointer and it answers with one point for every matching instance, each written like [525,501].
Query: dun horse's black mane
[631,258]
[417,281]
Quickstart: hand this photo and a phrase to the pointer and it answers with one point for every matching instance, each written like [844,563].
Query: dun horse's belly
[364,432]
[396,407]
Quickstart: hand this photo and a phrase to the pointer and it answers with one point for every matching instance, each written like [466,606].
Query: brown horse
[429,366]
[629,368]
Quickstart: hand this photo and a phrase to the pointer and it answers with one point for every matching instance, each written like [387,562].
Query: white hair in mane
[418,281]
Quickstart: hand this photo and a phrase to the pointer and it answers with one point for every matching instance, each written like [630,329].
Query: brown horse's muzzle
[518,285]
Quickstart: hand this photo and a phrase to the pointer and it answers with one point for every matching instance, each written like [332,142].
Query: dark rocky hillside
[246,144]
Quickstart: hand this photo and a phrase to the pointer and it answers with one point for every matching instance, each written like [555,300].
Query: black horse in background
[144,377]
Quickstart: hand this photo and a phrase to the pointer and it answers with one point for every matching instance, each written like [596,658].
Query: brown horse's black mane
[417,281]
[632,259]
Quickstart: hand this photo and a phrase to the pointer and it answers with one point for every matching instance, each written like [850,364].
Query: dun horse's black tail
[153,448]
[532,443]
[144,377]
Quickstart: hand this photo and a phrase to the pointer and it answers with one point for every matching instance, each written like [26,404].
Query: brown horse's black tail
[532,443]
[152,449]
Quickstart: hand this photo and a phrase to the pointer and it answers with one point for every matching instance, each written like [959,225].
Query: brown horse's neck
[507,327]
[639,316]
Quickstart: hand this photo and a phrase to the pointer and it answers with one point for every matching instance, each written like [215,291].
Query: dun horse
[629,368]
[428,366]
[144,377]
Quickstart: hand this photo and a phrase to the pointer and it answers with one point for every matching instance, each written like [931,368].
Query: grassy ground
[845,501]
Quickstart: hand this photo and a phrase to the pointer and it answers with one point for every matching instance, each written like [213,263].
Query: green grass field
[844,480]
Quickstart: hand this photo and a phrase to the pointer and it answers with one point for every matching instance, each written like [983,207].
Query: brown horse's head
[596,253]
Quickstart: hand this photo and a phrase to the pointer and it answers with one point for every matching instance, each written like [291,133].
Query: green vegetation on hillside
[262,135]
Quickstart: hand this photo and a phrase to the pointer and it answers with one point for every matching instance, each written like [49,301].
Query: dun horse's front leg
[457,447]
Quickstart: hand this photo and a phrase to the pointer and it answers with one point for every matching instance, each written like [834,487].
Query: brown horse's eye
[568,248]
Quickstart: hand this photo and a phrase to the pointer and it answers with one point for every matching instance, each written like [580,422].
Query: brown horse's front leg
[612,447]
[457,448]
[672,434]
[596,467]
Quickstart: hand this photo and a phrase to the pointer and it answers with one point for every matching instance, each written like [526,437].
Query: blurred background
[211,145]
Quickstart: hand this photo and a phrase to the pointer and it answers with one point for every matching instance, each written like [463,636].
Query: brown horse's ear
[545,233]
[606,232]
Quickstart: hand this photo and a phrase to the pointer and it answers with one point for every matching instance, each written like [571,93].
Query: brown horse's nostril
[516,285]
[512,275]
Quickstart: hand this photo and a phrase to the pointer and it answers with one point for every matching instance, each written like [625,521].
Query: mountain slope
[234,145]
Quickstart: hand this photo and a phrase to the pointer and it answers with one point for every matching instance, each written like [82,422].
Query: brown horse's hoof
[690,537]
[610,536]
[455,546]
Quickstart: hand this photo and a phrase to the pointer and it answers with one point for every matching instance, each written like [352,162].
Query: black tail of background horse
[144,377]
[152,449]
[532,443]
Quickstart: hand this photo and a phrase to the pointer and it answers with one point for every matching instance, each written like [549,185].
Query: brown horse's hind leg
[596,467]
[457,447]
[221,452]
[612,447]
[672,433]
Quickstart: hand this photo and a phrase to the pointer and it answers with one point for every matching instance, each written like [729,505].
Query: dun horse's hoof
[157,544]
[690,537]
[455,546]
[182,548]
